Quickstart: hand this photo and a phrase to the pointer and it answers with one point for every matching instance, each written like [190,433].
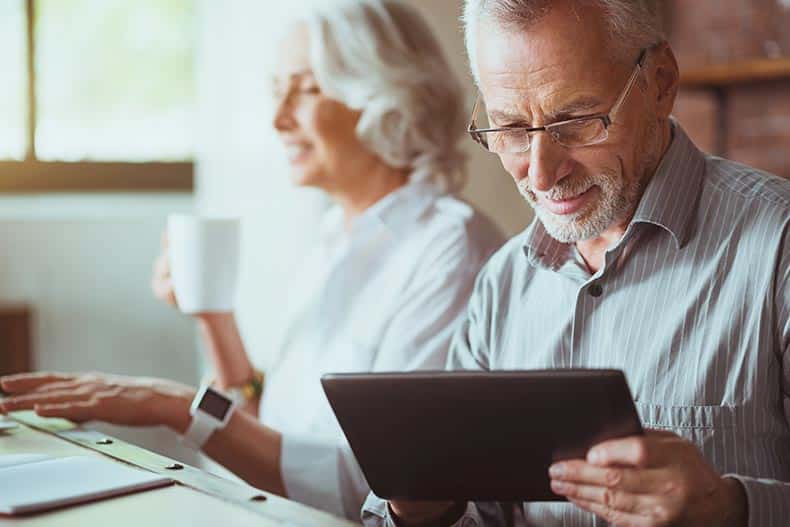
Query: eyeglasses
[572,133]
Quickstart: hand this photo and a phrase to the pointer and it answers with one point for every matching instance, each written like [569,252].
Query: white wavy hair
[631,24]
[380,57]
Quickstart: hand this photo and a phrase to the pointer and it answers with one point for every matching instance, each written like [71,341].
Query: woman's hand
[128,401]
[161,283]
[162,286]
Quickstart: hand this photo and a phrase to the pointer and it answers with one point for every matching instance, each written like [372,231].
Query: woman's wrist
[216,321]
[174,402]
[225,349]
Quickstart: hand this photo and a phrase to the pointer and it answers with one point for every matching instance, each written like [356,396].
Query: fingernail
[557,486]
[594,456]
[557,471]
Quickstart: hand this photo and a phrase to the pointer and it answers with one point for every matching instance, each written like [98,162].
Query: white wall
[242,167]
[490,188]
[84,264]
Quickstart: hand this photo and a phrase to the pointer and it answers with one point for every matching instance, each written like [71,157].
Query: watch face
[215,404]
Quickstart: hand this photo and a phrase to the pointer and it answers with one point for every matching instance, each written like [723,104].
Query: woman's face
[318,132]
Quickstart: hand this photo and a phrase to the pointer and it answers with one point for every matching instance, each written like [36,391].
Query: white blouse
[385,295]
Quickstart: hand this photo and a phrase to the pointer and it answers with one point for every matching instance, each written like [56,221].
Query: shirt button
[595,290]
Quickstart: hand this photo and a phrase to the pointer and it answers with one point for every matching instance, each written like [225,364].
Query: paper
[34,486]
[20,459]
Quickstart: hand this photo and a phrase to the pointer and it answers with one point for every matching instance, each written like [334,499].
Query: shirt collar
[671,197]
[669,201]
[394,212]
[542,250]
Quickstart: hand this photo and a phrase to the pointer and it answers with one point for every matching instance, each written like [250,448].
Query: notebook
[34,482]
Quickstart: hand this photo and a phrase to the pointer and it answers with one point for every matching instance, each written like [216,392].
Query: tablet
[483,436]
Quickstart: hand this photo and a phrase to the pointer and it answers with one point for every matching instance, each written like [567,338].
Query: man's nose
[548,162]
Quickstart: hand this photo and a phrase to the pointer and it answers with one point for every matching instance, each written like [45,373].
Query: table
[197,499]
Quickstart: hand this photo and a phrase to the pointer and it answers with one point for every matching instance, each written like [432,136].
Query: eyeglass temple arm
[634,75]
[473,121]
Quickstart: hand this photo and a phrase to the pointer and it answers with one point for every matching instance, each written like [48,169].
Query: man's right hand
[411,513]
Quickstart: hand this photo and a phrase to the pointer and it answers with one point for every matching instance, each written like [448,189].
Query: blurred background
[115,113]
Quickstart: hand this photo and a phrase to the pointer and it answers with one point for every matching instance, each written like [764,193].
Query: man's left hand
[658,479]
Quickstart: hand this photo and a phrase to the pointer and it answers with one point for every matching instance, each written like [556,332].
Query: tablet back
[485,436]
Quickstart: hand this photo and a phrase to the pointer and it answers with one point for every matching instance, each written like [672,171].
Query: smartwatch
[211,410]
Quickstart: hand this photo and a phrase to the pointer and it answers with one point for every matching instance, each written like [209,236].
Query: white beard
[615,199]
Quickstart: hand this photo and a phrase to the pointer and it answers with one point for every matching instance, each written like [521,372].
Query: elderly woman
[370,112]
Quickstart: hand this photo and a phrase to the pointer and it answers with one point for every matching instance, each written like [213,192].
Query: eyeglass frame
[607,118]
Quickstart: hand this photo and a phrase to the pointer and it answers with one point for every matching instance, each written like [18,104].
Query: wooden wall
[743,115]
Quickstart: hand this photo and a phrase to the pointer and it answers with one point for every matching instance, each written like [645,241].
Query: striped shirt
[693,304]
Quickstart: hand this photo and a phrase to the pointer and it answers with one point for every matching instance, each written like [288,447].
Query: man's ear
[666,76]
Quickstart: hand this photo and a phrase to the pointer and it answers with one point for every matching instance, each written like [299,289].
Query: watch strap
[200,429]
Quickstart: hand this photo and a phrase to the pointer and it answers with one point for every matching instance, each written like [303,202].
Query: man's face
[559,69]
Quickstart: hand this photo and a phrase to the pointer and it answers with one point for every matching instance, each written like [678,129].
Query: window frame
[32,175]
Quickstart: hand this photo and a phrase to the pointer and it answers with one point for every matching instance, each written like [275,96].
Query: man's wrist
[736,504]
[444,517]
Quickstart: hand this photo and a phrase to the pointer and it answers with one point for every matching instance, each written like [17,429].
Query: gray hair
[632,24]
[380,57]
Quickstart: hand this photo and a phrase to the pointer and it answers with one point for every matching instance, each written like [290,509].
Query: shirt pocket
[734,439]
[689,418]
[714,429]
[710,427]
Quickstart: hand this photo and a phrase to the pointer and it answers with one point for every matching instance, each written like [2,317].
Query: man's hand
[659,479]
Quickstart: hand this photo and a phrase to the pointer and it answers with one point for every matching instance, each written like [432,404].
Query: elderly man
[646,255]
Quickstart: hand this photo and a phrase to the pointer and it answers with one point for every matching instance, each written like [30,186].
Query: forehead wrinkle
[520,114]
[557,101]
[512,98]
[535,94]
[543,92]
[577,104]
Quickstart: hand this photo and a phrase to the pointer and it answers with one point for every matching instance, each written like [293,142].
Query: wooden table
[197,499]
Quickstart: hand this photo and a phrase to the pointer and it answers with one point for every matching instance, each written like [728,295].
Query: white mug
[204,262]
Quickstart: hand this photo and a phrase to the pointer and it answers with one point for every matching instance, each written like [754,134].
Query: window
[13,107]
[99,95]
